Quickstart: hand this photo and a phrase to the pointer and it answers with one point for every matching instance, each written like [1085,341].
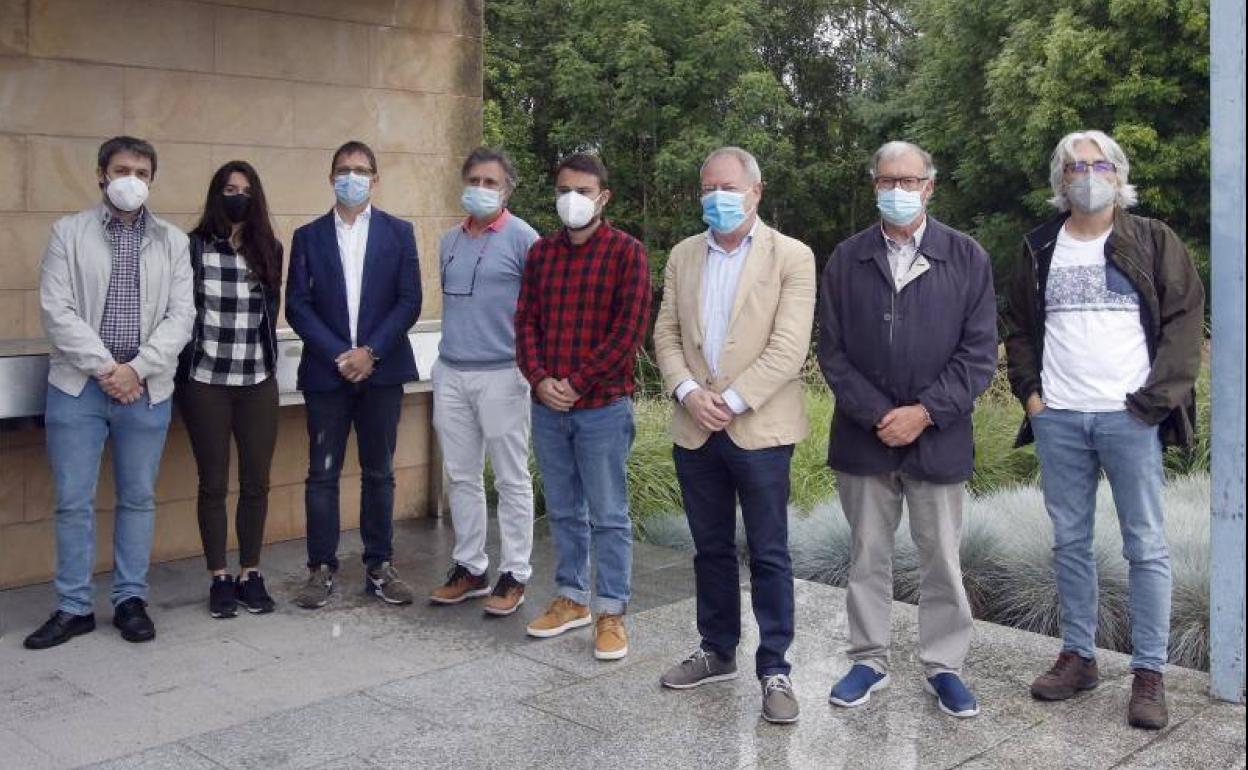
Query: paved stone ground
[359,686]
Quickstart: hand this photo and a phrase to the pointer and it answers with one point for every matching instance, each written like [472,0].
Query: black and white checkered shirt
[120,323]
[229,303]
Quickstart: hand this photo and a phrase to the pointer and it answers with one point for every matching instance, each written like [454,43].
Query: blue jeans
[77,427]
[712,479]
[1073,448]
[582,456]
[374,410]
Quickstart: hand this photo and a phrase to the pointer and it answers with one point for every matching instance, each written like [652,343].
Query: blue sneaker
[952,696]
[855,688]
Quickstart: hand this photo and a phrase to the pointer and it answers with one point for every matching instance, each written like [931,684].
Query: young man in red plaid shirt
[582,315]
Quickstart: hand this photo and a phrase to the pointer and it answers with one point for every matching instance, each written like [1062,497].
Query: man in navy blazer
[352,294]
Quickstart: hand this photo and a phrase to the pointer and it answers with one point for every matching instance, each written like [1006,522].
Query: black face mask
[236,206]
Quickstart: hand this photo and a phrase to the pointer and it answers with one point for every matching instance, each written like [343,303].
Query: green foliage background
[813,86]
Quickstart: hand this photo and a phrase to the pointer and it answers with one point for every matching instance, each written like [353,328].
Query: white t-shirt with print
[1095,351]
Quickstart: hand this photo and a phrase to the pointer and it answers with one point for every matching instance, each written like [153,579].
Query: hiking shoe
[252,595]
[384,583]
[1147,708]
[779,702]
[952,695]
[460,585]
[507,596]
[563,614]
[855,688]
[315,591]
[130,617]
[610,640]
[58,629]
[702,667]
[221,597]
[1071,673]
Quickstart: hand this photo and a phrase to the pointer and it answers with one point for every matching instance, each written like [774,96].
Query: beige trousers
[873,506]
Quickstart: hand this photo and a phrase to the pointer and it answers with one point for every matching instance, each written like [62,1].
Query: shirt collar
[107,217]
[747,240]
[915,239]
[496,226]
[603,226]
[363,216]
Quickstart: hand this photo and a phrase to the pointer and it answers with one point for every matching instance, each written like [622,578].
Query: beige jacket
[73,286]
[766,346]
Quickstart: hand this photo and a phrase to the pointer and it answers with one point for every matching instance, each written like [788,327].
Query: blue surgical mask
[352,189]
[899,207]
[723,211]
[480,201]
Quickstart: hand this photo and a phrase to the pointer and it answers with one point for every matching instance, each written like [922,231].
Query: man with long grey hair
[907,341]
[1104,329]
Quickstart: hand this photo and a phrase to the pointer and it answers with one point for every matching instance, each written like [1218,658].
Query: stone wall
[279,83]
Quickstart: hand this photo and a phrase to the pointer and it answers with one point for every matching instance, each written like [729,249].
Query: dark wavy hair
[260,248]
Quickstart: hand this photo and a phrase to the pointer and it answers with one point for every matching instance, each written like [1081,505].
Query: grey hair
[490,155]
[897,148]
[1065,153]
[753,173]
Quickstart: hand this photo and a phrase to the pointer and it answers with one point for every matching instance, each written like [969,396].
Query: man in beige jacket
[731,338]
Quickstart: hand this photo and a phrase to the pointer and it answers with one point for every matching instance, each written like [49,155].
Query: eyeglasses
[460,290]
[907,183]
[1084,166]
[361,170]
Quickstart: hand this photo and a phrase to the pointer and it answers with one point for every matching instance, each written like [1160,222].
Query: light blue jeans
[582,456]
[1073,448]
[77,427]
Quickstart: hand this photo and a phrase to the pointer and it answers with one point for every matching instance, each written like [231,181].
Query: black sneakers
[251,593]
[60,628]
[221,599]
[130,617]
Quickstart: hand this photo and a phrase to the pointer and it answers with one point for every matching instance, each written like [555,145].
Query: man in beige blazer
[731,338]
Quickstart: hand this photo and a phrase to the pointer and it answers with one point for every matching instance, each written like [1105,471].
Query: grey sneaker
[779,702]
[384,583]
[701,667]
[314,593]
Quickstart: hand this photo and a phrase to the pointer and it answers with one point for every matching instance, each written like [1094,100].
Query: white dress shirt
[903,258]
[720,278]
[352,242]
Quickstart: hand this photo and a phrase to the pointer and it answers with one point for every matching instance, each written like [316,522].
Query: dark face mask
[236,206]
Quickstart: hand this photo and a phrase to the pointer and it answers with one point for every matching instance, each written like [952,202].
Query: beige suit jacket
[766,346]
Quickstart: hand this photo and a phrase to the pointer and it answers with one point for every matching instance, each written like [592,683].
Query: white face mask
[1091,193]
[576,210]
[127,193]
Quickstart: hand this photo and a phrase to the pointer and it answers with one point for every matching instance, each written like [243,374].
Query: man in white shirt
[356,357]
[731,337]
[1105,327]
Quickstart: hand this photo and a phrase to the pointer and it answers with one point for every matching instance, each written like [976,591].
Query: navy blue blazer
[316,301]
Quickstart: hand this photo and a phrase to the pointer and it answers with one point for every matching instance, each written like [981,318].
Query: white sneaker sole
[546,633]
[476,594]
[503,613]
[700,682]
[959,714]
[880,685]
[599,655]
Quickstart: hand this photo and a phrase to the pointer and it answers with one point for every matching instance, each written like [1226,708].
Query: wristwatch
[371,353]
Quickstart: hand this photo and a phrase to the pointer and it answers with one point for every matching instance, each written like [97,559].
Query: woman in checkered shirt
[227,383]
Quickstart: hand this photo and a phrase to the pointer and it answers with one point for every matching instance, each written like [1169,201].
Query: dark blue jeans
[374,410]
[712,479]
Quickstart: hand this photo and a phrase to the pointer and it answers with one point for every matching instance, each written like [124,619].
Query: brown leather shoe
[562,615]
[1069,675]
[460,585]
[1147,709]
[610,640]
[507,596]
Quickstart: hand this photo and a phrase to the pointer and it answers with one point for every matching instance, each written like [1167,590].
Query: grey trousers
[873,506]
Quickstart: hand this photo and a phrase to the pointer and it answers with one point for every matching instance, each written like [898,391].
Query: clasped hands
[557,394]
[901,426]
[120,382]
[356,365]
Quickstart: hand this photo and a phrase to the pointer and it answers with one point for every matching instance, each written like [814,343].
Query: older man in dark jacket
[908,340]
[1104,330]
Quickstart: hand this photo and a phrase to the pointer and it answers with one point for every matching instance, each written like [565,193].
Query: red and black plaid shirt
[583,312]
